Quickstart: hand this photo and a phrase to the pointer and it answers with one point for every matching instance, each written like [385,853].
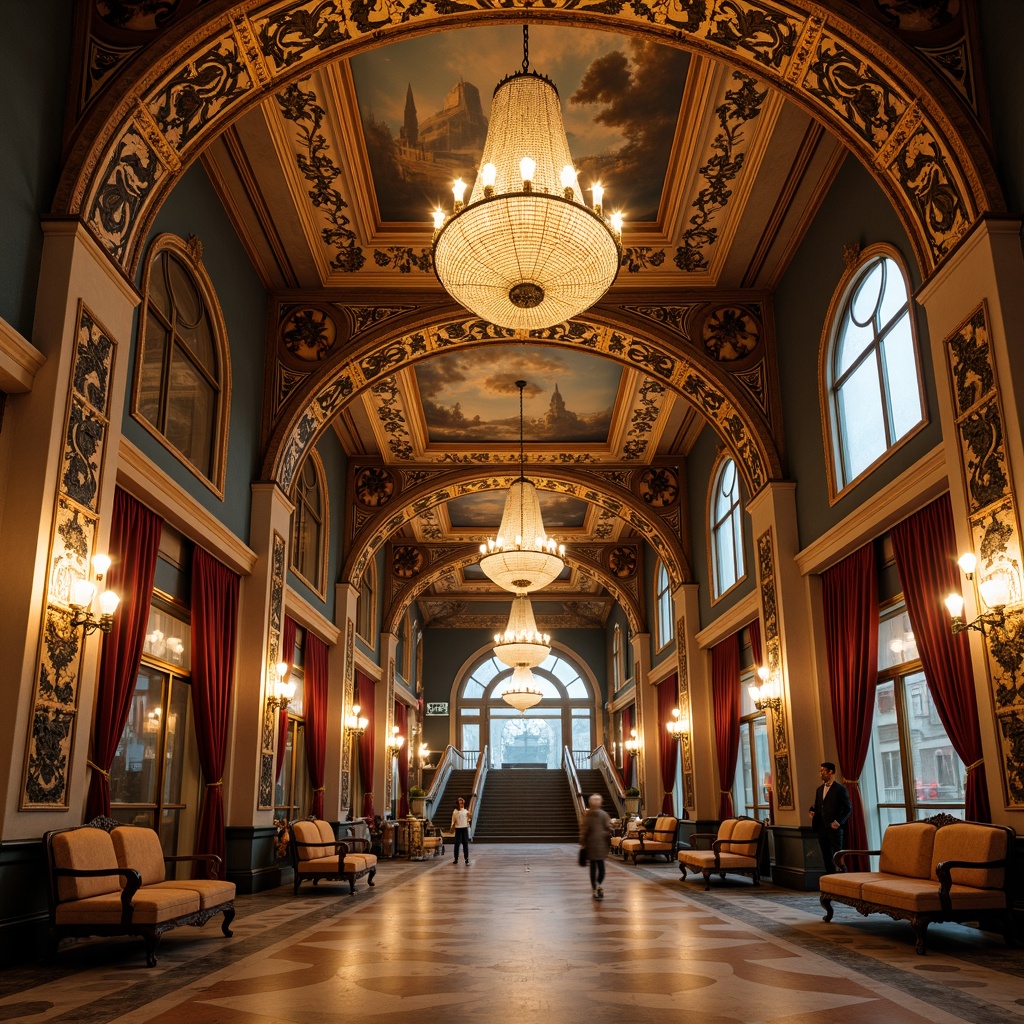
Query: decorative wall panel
[275,629]
[72,545]
[685,745]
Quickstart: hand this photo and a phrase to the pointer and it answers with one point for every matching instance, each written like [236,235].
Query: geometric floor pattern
[515,936]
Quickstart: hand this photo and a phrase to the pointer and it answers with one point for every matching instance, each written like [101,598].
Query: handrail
[478,790]
[569,766]
[441,774]
[599,759]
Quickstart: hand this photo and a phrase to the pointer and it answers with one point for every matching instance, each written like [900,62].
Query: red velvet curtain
[402,721]
[627,757]
[850,601]
[286,654]
[314,704]
[725,697]
[364,698]
[925,549]
[134,543]
[668,745]
[214,625]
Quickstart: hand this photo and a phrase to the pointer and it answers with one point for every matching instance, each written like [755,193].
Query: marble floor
[516,936]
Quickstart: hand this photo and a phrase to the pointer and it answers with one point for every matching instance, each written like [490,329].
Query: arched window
[182,383]
[663,604]
[366,607]
[617,674]
[309,524]
[726,526]
[873,381]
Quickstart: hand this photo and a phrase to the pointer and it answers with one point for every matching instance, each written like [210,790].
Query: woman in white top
[460,822]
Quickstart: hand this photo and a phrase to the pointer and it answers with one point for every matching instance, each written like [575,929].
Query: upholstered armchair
[661,840]
[737,848]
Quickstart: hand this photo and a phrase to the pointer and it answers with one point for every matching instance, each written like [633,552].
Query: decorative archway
[870,89]
[713,392]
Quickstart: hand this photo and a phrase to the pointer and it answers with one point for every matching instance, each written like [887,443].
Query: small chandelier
[522,692]
[521,644]
[522,558]
[526,252]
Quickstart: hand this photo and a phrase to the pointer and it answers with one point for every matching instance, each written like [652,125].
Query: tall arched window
[366,606]
[726,527]
[663,604]
[565,717]
[617,673]
[182,382]
[309,524]
[872,383]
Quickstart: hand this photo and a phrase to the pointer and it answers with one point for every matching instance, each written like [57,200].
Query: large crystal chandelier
[522,558]
[526,252]
[521,643]
[521,692]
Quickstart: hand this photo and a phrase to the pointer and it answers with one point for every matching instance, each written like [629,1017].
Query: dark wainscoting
[24,914]
[797,858]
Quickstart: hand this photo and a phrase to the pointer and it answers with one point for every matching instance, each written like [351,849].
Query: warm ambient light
[632,745]
[679,725]
[766,692]
[283,689]
[521,692]
[522,558]
[397,741]
[83,594]
[521,643]
[354,723]
[526,252]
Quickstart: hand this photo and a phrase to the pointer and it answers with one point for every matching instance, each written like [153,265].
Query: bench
[661,839]
[737,848]
[939,869]
[114,883]
[316,854]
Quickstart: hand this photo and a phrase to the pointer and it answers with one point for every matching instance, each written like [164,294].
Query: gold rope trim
[219,782]
[320,789]
[976,764]
[853,782]
[106,775]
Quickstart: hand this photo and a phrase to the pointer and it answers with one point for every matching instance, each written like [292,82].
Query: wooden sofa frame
[149,933]
[351,844]
[919,920]
[717,847]
[653,835]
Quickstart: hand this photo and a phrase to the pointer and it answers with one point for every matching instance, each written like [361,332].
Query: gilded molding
[165,152]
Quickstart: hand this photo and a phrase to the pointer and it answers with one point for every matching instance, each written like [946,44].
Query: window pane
[577,689]
[938,772]
[168,639]
[762,762]
[900,369]
[853,340]
[133,775]
[867,295]
[174,746]
[861,419]
[190,406]
[188,305]
[896,643]
[152,371]
[471,738]
[725,559]
[894,295]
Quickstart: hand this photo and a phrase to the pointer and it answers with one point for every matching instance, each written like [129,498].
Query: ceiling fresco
[483,511]
[424,105]
[471,396]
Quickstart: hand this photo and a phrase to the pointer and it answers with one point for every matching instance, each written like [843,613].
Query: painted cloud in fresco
[471,396]
[483,510]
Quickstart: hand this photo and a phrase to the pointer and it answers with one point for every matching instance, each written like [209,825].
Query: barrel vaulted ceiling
[330,182]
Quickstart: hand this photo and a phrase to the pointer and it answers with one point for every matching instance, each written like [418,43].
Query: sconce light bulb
[954,605]
[488,175]
[968,563]
[281,668]
[100,564]
[527,168]
[82,593]
[763,673]
[458,189]
[109,600]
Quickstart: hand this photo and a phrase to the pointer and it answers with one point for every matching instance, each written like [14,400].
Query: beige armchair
[736,849]
[661,840]
[315,854]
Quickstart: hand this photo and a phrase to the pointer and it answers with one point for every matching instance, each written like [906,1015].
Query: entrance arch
[872,91]
[568,715]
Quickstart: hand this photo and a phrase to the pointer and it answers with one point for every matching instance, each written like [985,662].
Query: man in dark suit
[828,815]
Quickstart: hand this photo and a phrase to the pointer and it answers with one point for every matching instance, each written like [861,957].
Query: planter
[417,805]
[632,804]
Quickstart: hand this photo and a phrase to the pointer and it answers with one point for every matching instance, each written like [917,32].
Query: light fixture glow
[521,643]
[521,692]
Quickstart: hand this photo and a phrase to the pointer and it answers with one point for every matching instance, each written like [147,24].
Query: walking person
[831,809]
[595,841]
[460,822]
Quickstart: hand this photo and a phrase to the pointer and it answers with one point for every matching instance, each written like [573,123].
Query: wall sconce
[424,752]
[679,726]
[1005,636]
[354,723]
[765,694]
[83,593]
[396,742]
[282,691]
[632,745]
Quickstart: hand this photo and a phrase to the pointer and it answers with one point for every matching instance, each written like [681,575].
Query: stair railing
[478,790]
[569,766]
[441,775]
[600,760]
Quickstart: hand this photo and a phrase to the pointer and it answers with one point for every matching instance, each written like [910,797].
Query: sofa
[113,882]
[939,869]
[661,839]
[316,854]
[737,848]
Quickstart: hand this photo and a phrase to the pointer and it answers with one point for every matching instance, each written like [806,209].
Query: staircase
[526,805]
[460,783]
[592,781]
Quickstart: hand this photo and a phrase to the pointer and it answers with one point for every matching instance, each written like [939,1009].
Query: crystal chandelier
[521,644]
[522,558]
[526,252]
[521,692]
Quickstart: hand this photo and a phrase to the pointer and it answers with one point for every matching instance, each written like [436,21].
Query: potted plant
[417,799]
[632,801]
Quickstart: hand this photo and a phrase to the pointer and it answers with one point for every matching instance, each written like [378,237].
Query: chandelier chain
[526,48]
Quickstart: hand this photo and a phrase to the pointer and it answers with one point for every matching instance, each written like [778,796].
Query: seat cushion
[912,894]
[666,826]
[140,848]
[736,861]
[850,883]
[211,892]
[85,849]
[726,828]
[697,859]
[310,832]
[319,866]
[967,841]
[907,849]
[153,905]
[748,832]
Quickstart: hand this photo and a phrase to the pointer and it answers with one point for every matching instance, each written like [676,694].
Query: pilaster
[645,716]
[342,667]
[383,770]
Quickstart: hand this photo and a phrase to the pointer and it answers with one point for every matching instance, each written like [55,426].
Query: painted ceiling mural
[424,105]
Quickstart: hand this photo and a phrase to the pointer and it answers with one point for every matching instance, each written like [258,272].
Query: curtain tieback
[96,768]
[853,782]
[976,764]
[725,792]
[320,789]
[219,782]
